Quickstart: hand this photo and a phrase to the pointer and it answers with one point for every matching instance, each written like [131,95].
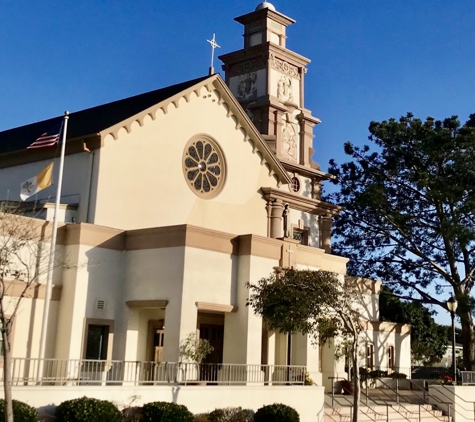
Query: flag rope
[49,279]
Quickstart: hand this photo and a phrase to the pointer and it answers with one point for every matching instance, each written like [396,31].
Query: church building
[172,201]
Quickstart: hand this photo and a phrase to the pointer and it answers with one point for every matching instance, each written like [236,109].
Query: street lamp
[452,307]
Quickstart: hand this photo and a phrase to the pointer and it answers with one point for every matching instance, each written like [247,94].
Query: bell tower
[268,81]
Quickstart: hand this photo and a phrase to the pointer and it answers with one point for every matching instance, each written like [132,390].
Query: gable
[139,178]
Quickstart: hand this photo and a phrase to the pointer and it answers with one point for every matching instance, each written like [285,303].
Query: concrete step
[394,413]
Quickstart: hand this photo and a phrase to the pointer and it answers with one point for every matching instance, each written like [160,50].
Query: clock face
[204,167]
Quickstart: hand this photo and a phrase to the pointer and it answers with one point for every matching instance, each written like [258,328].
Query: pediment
[225,99]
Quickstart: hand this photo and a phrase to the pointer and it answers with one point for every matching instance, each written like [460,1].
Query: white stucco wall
[461,397]
[382,340]
[76,181]
[27,326]
[150,190]
[308,400]
[152,274]
[99,275]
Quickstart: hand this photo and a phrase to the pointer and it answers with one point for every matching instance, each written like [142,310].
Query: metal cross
[214,45]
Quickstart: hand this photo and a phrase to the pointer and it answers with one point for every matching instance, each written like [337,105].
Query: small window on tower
[295,184]
[300,235]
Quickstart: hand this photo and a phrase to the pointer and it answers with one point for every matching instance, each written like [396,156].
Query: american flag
[48,139]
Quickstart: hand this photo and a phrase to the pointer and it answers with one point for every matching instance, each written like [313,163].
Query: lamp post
[452,307]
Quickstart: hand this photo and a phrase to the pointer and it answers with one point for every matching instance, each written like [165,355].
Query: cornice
[24,156]
[17,288]
[301,203]
[262,14]
[215,307]
[387,327]
[366,285]
[306,171]
[265,50]
[143,304]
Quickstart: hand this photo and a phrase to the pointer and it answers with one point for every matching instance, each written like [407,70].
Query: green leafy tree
[194,349]
[315,303]
[429,340]
[409,212]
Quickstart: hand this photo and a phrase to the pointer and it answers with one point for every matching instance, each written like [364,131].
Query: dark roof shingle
[91,120]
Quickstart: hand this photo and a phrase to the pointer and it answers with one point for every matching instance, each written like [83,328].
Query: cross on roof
[214,45]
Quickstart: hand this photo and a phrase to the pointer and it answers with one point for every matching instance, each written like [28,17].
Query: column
[276,211]
[307,354]
[180,320]
[326,232]
[331,366]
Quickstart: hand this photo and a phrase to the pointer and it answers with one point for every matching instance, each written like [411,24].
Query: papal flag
[41,181]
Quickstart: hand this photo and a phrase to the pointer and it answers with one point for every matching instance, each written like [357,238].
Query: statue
[285,216]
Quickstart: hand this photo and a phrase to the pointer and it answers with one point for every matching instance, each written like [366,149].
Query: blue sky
[371,59]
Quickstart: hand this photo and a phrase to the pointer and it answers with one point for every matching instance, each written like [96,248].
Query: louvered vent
[100,304]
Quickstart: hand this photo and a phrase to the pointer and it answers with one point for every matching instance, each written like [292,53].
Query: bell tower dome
[268,81]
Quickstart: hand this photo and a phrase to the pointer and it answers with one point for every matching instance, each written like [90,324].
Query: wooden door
[157,352]
[215,335]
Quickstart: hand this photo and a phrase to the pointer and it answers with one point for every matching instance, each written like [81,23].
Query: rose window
[204,167]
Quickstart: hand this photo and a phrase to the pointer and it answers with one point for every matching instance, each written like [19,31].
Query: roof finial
[213,46]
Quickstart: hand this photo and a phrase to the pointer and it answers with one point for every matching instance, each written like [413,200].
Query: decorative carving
[284,67]
[284,89]
[317,190]
[247,89]
[289,138]
[247,66]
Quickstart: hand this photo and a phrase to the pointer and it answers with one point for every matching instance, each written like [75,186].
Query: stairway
[381,407]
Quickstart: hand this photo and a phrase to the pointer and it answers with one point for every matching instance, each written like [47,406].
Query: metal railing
[25,371]
[401,407]
[421,372]
[468,377]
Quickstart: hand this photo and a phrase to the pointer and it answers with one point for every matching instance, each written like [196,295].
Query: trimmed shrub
[132,414]
[276,413]
[399,375]
[231,414]
[22,412]
[201,417]
[162,411]
[87,409]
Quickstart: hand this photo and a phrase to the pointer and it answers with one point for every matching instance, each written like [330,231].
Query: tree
[429,340]
[409,212]
[315,303]
[23,261]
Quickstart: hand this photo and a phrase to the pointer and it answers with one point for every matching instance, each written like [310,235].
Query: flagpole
[49,279]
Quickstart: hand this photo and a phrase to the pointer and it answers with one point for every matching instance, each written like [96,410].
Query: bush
[201,417]
[231,414]
[398,375]
[276,413]
[22,412]
[87,409]
[161,411]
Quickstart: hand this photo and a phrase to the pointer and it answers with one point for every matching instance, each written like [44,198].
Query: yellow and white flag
[41,181]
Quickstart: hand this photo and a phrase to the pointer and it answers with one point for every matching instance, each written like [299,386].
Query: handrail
[436,399]
[457,396]
[377,404]
[360,409]
[398,396]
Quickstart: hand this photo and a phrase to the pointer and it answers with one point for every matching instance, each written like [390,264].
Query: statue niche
[289,146]
[284,89]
